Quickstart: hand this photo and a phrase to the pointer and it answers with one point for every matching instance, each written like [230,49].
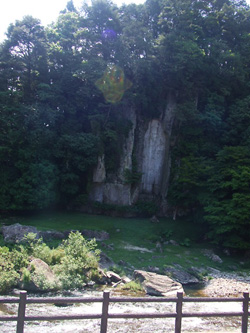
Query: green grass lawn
[140,233]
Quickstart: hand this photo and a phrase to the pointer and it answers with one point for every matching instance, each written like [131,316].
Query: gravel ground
[226,285]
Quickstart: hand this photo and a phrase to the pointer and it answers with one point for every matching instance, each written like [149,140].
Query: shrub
[35,247]
[146,208]
[186,242]
[80,263]
[75,262]
[8,275]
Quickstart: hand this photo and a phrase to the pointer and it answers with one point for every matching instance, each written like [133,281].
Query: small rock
[126,279]
[226,252]
[154,219]
[153,269]
[113,276]
[173,242]
[158,247]
[90,283]
[211,255]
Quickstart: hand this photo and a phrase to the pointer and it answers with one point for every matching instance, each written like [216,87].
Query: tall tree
[26,42]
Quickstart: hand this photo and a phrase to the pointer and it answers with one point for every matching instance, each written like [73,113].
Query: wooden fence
[21,318]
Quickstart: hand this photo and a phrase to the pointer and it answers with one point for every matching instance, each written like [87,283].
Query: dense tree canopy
[55,122]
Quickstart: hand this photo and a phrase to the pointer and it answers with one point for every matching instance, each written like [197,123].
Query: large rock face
[128,146]
[158,285]
[146,150]
[116,191]
[99,175]
[153,157]
[111,193]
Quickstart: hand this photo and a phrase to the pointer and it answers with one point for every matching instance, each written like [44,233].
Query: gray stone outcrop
[158,285]
[15,233]
[211,255]
[51,234]
[99,235]
[180,275]
[153,157]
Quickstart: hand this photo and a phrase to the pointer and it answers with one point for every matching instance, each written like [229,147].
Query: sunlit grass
[141,235]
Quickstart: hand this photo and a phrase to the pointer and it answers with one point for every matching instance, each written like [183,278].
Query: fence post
[178,313]
[245,313]
[105,309]
[21,311]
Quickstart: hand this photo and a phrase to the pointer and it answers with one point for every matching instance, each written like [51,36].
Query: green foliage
[8,274]
[161,235]
[227,210]
[146,208]
[55,123]
[186,242]
[75,262]
[26,276]
[80,263]
[32,246]
[132,177]
[118,270]
[140,208]
[133,286]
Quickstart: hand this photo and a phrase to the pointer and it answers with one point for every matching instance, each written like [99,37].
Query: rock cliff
[148,142]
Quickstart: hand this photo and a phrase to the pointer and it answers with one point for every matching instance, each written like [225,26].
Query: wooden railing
[21,318]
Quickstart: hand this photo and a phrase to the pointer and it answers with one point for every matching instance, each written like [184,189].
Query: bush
[146,208]
[36,248]
[80,263]
[75,262]
[8,274]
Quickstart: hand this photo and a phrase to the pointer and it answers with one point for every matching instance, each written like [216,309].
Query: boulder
[158,285]
[14,233]
[126,279]
[113,277]
[41,277]
[180,275]
[99,235]
[109,277]
[154,219]
[211,255]
[153,269]
[51,234]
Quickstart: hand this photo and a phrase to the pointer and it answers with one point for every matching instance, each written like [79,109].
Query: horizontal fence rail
[23,301]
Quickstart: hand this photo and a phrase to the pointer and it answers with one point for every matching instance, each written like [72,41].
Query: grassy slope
[140,233]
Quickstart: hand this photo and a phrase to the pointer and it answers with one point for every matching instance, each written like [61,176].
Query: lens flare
[109,34]
[113,84]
